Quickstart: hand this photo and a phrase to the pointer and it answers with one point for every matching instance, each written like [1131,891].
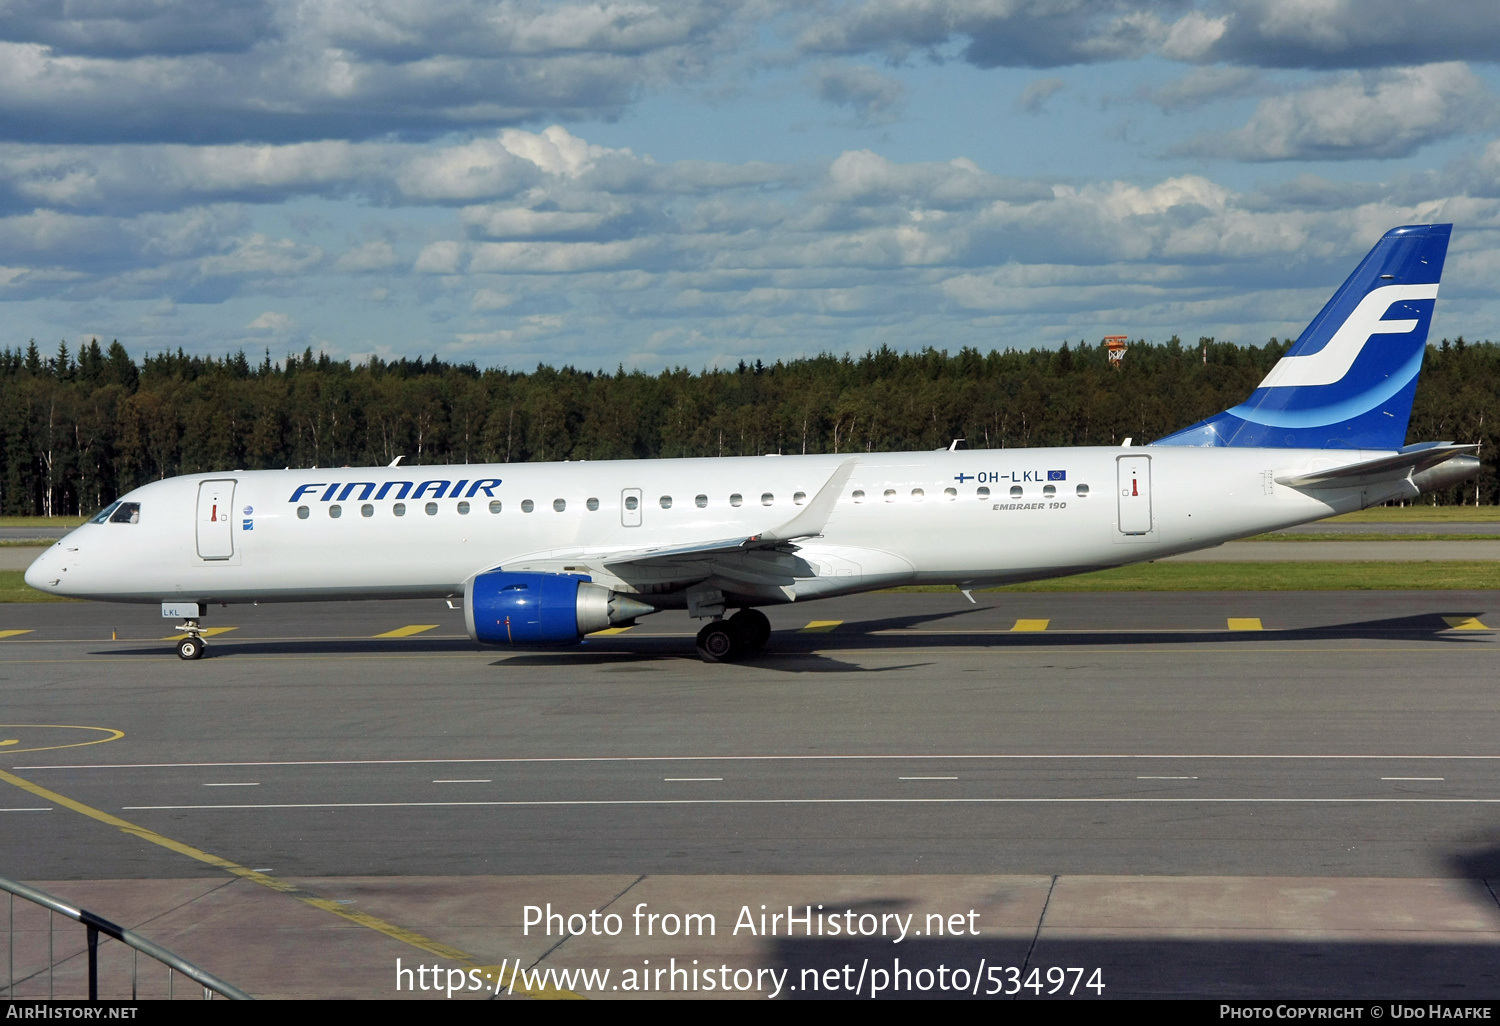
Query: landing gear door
[1134,478]
[630,507]
[215,526]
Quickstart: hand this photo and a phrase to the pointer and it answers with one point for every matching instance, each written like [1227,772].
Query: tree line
[79,429]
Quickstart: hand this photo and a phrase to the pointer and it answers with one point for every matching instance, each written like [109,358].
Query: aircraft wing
[764,559]
[1403,464]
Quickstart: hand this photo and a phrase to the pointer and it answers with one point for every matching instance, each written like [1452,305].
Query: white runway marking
[679,780]
[926,778]
[836,801]
[1167,778]
[25,810]
[463,781]
[1411,778]
[245,784]
[1185,756]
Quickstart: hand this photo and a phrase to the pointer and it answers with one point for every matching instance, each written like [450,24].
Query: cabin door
[1135,494]
[215,528]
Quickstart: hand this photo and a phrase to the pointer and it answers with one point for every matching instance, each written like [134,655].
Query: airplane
[545,554]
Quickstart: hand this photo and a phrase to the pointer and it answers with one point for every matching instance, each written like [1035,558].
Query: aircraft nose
[42,573]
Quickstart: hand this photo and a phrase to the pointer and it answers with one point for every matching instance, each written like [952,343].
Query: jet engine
[542,609]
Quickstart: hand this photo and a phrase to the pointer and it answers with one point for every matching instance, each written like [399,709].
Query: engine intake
[542,609]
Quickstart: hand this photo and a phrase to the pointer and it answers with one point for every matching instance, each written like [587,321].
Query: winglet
[814,516]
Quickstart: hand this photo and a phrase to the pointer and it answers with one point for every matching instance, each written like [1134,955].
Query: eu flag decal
[1057,475]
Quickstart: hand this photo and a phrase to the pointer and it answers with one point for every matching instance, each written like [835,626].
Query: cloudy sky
[690,183]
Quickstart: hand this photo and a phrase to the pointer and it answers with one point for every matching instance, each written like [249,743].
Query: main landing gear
[744,633]
[192,646]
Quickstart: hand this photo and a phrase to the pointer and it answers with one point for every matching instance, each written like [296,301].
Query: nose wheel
[192,646]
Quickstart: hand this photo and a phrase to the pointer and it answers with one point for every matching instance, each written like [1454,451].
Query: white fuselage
[902,518]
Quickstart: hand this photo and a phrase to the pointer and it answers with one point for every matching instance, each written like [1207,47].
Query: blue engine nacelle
[541,609]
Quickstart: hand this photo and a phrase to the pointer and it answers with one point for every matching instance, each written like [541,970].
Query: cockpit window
[103,515]
[127,513]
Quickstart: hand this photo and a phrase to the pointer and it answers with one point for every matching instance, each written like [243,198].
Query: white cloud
[872,97]
[258,255]
[1037,93]
[290,69]
[1203,85]
[489,299]
[372,256]
[1367,114]
[439,258]
[272,323]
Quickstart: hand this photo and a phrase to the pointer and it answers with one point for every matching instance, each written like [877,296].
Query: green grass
[13,588]
[41,521]
[1418,576]
[1372,536]
[1419,515]
[26,543]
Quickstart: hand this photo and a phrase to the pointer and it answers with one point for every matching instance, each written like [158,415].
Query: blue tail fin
[1349,380]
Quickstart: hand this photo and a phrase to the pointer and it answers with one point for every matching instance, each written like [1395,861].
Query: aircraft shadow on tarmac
[1163,967]
[797,652]
[1150,967]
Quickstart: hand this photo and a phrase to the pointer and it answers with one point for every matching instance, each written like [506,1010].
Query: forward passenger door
[215,526]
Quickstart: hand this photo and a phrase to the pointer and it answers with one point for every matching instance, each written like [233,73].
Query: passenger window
[767,498]
[592,504]
[736,499]
[666,502]
[983,493]
[494,505]
[103,515]
[559,504]
[918,494]
[859,495]
[950,494]
[463,509]
[527,505]
[700,501]
[890,495]
[1049,491]
[431,509]
[302,512]
[399,509]
[128,513]
[335,511]
[1083,491]
[367,510]
[631,502]
[799,497]
[1016,491]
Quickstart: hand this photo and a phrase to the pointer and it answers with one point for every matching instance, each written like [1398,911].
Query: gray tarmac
[1242,795]
[1180,733]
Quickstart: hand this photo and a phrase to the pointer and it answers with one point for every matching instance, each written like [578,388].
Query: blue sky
[694,183]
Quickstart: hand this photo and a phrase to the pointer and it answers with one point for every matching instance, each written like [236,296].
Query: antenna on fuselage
[397,460]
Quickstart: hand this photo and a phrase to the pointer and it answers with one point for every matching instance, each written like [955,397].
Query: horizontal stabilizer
[1402,464]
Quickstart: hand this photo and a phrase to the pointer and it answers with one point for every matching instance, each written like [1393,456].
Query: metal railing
[95,925]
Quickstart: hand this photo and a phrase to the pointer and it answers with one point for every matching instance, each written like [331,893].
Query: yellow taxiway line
[398,933]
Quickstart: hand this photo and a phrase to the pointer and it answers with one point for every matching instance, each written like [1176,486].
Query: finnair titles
[548,553]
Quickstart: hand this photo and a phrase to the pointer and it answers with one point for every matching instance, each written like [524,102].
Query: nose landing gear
[192,646]
[724,641]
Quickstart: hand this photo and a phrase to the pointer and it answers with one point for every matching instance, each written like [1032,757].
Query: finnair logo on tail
[1329,364]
